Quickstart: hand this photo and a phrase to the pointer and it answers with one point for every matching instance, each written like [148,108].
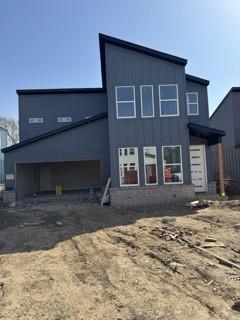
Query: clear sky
[54,43]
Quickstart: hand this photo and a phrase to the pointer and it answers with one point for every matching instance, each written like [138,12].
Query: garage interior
[37,178]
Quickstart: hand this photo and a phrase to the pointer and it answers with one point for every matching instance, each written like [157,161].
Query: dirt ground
[78,260]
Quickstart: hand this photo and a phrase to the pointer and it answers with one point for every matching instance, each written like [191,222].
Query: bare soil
[78,260]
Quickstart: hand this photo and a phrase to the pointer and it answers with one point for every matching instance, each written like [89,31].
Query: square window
[125,102]
[168,97]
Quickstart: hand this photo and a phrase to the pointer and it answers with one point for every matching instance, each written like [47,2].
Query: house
[147,128]
[226,116]
[3,144]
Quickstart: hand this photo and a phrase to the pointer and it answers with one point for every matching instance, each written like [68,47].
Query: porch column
[220,167]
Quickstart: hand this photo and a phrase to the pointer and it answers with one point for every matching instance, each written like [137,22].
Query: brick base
[9,196]
[150,195]
[212,187]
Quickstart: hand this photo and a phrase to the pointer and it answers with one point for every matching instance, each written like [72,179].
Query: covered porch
[208,137]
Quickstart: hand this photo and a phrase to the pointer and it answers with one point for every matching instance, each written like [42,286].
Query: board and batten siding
[126,67]
[51,106]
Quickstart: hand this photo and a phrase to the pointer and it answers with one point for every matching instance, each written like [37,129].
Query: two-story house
[3,144]
[147,128]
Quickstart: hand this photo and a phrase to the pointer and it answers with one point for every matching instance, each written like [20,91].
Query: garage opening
[44,177]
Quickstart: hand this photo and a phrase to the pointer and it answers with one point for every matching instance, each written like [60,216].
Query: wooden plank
[105,191]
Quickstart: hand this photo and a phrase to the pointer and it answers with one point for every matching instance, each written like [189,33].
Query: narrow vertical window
[150,165]
[168,95]
[128,166]
[147,104]
[192,103]
[125,102]
[172,164]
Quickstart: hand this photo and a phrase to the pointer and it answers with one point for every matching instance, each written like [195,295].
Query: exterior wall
[203,117]
[50,106]
[223,119]
[87,142]
[236,116]
[3,144]
[140,196]
[126,67]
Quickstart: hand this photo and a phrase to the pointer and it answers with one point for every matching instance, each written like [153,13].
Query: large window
[128,166]
[150,165]
[147,104]
[125,102]
[192,103]
[172,164]
[168,94]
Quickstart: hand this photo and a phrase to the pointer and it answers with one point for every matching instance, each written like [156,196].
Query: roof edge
[55,132]
[196,125]
[59,91]
[202,81]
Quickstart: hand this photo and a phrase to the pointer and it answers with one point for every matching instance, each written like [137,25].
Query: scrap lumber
[105,191]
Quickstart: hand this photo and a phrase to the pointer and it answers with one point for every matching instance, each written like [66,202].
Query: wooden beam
[221,168]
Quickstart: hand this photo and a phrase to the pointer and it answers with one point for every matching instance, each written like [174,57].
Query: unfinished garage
[44,177]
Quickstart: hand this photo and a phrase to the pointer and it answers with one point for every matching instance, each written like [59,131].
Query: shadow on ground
[30,226]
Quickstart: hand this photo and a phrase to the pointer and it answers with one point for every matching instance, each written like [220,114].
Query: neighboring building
[3,144]
[147,128]
[227,116]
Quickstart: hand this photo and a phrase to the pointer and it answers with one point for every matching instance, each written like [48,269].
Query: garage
[44,177]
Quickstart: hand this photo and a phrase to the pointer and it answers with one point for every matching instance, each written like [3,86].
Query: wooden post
[221,168]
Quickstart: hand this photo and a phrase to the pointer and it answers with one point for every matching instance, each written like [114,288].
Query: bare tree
[12,128]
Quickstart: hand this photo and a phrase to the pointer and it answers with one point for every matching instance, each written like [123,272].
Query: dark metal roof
[212,135]
[55,132]
[235,89]
[197,80]
[59,91]
[132,46]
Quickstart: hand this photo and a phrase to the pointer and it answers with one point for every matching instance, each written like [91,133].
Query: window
[64,119]
[172,164]
[192,103]
[125,102]
[147,104]
[128,166]
[150,165]
[168,94]
[35,120]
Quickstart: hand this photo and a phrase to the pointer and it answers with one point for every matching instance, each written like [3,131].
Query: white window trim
[147,85]
[145,177]
[172,164]
[129,101]
[188,103]
[177,99]
[128,185]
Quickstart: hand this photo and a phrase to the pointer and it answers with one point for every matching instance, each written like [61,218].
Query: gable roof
[103,39]
[233,89]
[197,80]
[55,132]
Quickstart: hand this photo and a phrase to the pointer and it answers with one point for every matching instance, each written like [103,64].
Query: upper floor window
[172,164]
[64,119]
[147,104]
[35,120]
[125,102]
[168,94]
[192,103]
[128,166]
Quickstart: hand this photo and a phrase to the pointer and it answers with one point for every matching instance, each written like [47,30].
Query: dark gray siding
[236,116]
[223,119]
[50,106]
[126,67]
[87,142]
[203,117]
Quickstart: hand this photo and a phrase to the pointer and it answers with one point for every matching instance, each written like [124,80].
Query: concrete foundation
[150,195]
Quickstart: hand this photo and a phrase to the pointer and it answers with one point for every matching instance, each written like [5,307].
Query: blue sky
[54,43]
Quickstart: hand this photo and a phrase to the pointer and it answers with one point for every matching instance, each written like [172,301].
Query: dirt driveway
[80,261]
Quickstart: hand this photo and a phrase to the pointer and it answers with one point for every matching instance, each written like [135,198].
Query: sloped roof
[55,132]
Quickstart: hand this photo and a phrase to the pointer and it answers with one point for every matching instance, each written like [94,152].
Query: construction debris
[168,219]
[210,239]
[236,306]
[199,204]
[237,226]
[214,245]
[59,223]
